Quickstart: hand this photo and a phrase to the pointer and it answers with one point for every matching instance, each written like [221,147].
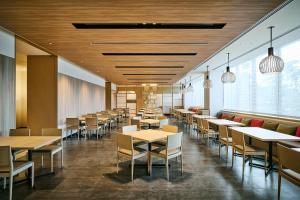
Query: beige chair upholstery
[173,149]
[125,148]
[170,128]
[92,126]
[210,133]
[163,122]
[199,128]
[239,145]
[52,149]
[10,168]
[224,139]
[72,124]
[131,128]
[19,132]
[289,166]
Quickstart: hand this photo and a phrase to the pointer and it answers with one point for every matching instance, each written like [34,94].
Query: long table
[203,116]
[29,143]
[265,136]
[225,122]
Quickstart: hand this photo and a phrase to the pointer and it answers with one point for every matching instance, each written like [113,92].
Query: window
[277,94]
[195,98]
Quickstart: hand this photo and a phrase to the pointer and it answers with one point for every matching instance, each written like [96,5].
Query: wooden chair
[173,149]
[289,166]
[92,126]
[189,120]
[19,132]
[210,133]
[10,168]
[136,122]
[239,145]
[199,128]
[126,148]
[72,124]
[224,139]
[52,149]
[131,128]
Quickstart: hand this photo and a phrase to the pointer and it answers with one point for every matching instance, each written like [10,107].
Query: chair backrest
[170,128]
[189,119]
[136,122]
[205,124]
[174,141]
[163,122]
[288,158]
[51,132]
[19,132]
[124,141]
[199,124]
[92,114]
[72,123]
[223,131]
[6,163]
[238,138]
[91,123]
[161,117]
[130,128]
[137,117]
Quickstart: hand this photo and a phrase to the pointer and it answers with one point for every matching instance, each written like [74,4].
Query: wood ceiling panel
[44,22]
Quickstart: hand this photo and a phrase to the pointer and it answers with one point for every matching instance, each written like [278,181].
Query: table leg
[29,171]
[270,160]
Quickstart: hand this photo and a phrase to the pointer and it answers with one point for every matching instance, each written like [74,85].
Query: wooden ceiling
[49,24]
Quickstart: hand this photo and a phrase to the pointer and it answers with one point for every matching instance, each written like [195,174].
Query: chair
[163,122]
[173,149]
[10,168]
[19,132]
[189,120]
[136,122]
[199,128]
[289,166]
[52,149]
[170,128]
[126,148]
[92,126]
[224,139]
[210,133]
[71,125]
[131,128]
[239,145]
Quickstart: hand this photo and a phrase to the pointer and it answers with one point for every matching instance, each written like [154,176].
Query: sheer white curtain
[196,97]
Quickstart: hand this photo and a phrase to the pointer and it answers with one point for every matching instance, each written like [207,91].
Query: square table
[149,121]
[265,136]
[225,122]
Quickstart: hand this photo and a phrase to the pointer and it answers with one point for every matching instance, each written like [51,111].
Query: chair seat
[229,139]
[136,151]
[49,148]
[138,142]
[291,173]
[159,143]
[250,149]
[163,151]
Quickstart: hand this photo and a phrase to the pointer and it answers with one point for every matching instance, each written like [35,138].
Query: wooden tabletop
[149,121]
[27,142]
[99,119]
[224,122]
[184,111]
[203,117]
[264,134]
[149,135]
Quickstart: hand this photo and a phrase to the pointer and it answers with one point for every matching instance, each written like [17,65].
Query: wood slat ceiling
[49,24]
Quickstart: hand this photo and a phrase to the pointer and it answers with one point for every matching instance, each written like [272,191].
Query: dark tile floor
[90,173]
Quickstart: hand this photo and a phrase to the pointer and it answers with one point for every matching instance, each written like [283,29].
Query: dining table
[203,116]
[149,122]
[224,122]
[267,136]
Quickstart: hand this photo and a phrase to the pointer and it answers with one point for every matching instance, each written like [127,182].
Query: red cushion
[298,131]
[224,116]
[237,119]
[256,122]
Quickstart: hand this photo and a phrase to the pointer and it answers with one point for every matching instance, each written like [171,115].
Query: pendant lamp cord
[271,35]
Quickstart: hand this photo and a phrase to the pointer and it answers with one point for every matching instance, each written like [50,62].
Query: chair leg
[243,165]
[11,180]
[51,161]
[266,160]
[181,157]
[4,183]
[167,168]
[150,164]
[220,149]
[42,160]
[32,175]
[226,152]
[232,157]
[132,168]
[279,186]
[117,163]
[62,159]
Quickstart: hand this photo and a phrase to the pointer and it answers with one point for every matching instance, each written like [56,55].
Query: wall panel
[8,94]
[77,97]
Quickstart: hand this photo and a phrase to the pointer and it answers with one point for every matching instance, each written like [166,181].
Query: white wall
[253,42]
[70,69]
[7,43]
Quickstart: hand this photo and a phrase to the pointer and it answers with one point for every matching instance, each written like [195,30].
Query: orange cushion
[237,119]
[256,122]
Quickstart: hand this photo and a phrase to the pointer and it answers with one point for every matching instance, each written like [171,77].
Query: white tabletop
[225,122]
[296,149]
[203,117]
[264,134]
[149,135]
